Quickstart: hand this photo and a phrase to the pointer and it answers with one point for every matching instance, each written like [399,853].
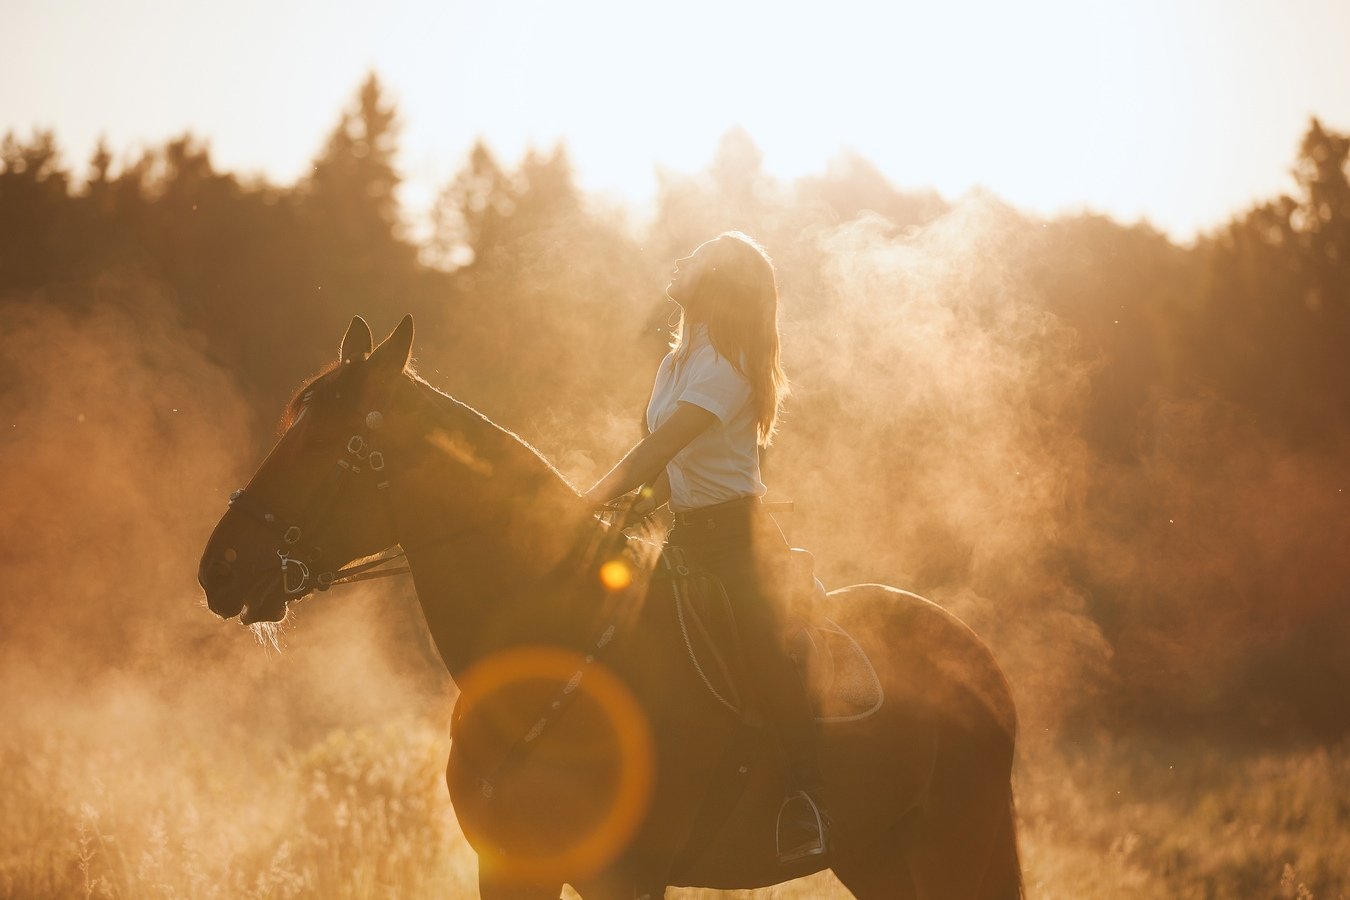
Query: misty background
[1120,459]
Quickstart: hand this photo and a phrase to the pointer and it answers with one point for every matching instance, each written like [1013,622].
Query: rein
[598,545]
[360,571]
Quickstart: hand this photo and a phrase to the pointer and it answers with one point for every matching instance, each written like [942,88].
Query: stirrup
[801,813]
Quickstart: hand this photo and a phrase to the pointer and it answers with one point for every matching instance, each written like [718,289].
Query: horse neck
[485,521]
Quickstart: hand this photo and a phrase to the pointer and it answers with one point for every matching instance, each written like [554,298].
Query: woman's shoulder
[715,383]
[706,357]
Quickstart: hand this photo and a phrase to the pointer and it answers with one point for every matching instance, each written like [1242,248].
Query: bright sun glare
[1050,104]
[1143,109]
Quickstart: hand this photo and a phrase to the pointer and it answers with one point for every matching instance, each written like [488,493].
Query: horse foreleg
[501,886]
[620,886]
[964,844]
[881,871]
[514,890]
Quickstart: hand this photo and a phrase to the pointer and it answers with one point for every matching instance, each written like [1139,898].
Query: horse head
[319,499]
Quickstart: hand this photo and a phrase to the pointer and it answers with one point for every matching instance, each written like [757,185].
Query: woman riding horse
[586,747]
[714,404]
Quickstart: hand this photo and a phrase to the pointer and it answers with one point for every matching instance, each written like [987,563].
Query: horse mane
[318,380]
[636,543]
[324,381]
[327,377]
[504,437]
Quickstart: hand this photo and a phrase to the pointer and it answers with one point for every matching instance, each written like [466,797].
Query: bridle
[361,459]
[314,571]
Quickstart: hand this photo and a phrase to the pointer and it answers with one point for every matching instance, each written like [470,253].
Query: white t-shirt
[722,463]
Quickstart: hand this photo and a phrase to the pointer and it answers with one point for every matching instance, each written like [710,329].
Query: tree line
[1203,540]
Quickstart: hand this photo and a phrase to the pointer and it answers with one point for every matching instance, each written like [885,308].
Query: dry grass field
[363,813]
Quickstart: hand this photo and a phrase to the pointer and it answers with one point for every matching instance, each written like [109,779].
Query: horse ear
[394,351]
[356,343]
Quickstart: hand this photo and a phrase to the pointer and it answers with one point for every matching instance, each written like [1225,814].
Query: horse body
[880,771]
[607,787]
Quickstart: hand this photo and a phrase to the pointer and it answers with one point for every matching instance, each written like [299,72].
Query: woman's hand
[647,500]
[650,497]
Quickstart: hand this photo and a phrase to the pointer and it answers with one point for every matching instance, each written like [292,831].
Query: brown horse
[586,748]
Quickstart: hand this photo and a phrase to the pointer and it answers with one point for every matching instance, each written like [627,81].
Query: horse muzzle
[267,608]
[253,599]
[218,578]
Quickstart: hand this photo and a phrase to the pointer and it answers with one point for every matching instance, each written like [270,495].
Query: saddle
[839,678]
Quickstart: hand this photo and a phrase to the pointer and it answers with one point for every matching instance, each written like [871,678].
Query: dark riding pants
[742,545]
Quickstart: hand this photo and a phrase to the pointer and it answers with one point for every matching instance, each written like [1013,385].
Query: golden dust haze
[1121,461]
[145,749]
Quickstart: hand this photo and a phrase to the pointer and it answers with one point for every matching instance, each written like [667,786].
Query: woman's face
[688,271]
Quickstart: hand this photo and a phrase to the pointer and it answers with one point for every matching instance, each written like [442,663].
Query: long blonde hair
[737,298]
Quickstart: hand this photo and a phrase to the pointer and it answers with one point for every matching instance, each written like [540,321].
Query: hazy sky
[1180,111]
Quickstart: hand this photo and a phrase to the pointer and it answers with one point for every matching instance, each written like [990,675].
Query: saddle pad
[840,679]
[844,684]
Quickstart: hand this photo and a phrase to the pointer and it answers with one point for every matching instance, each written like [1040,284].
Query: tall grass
[1148,818]
[359,814]
[364,814]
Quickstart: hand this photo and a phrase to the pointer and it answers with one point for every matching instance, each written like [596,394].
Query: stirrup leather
[801,812]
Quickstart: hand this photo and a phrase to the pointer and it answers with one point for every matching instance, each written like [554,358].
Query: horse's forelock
[315,382]
[322,383]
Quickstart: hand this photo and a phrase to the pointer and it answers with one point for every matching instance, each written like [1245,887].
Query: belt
[739,509]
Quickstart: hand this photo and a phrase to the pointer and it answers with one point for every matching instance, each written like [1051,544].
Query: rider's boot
[803,825]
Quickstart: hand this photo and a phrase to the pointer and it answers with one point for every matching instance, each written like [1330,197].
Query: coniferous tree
[1324,213]
[351,207]
[471,214]
[34,212]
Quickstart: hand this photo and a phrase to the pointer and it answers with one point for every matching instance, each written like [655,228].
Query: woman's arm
[647,460]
